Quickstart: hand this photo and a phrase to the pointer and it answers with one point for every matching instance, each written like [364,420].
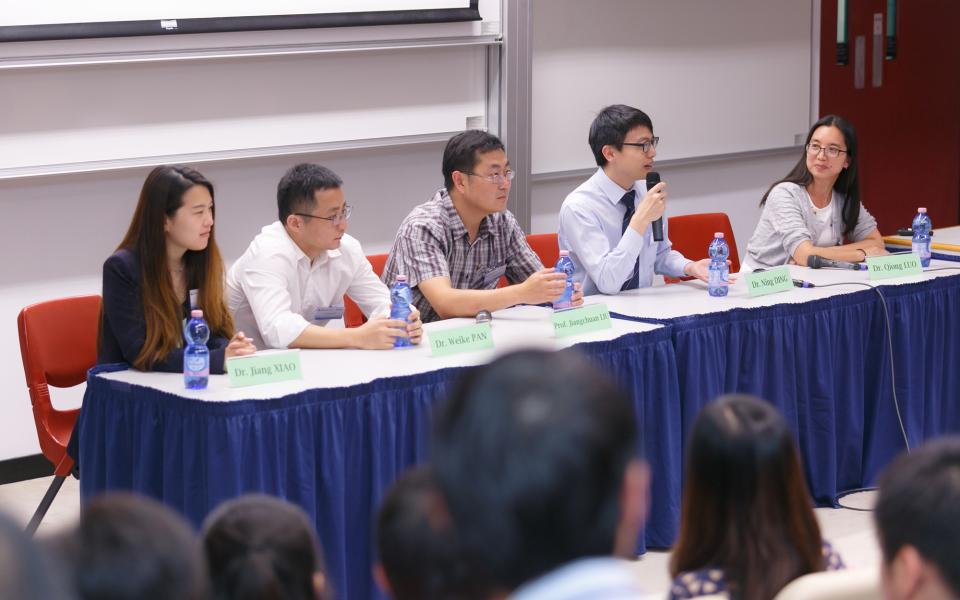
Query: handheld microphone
[653,178]
[819,262]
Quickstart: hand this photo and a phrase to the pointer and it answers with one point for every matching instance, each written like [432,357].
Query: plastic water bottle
[400,299]
[922,228]
[719,271]
[196,356]
[565,265]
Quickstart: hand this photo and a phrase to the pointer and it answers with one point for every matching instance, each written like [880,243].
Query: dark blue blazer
[123,328]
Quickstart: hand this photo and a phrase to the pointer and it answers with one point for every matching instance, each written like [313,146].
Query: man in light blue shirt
[605,223]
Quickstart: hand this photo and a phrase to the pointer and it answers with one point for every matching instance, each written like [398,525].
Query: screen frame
[68,31]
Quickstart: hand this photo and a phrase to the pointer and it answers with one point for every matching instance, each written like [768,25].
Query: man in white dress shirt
[291,280]
[606,222]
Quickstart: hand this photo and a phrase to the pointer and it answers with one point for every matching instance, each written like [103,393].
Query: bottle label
[197,365]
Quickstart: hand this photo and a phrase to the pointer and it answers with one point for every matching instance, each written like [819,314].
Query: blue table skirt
[825,364]
[333,451]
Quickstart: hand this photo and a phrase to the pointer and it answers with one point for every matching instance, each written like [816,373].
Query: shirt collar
[453,221]
[299,254]
[610,188]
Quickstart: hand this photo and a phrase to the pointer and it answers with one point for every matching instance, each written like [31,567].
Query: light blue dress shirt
[591,220]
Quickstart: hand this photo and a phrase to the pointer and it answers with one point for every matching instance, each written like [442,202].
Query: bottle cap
[401,278]
[921,210]
[196,313]
[718,234]
[564,253]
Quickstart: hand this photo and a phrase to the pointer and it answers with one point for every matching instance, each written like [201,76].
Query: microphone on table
[653,178]
[800,283]
[819,262]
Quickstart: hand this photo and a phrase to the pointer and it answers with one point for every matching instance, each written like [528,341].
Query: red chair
[352,315]
[58,344]
[692,234]
[546,247]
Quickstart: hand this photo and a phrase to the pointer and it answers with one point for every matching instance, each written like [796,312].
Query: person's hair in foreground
[847,184]
[129,547]
[161,197]
[746,508]
[260,547]
[533,452]
[26,572]
[416,543]
[918,520]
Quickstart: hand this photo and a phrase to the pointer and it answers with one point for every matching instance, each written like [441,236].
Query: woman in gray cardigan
[816,209]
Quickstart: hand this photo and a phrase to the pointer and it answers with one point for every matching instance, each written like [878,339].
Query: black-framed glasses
[336,219]
[644,146]
[496,178]
[830,151]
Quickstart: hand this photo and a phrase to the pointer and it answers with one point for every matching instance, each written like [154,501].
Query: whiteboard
[48,12]
[716,77]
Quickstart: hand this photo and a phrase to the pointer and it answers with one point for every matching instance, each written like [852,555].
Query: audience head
[611,128]
[131,547]
[918,522]
[416,543]
[263,548]
[536,454]
[26,573]
[174,215]
[746,508]
[476,170]
[831,133]
[311,206]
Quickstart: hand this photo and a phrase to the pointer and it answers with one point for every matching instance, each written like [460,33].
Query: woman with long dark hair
[167,263]
[747,527]
[816,208]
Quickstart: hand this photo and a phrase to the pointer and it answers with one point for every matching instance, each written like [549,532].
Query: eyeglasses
[335,219]
[644,146]
[830,151]
[496,178]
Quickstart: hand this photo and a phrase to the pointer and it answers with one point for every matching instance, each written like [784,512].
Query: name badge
[493,275]
[326,313]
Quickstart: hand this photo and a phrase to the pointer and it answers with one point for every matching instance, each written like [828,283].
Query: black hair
[261,548]
[129,547]
[610,128]
[462,152]
[417,544]
[847,184]
[295,192]
[919,505]
[531,453]
[26,571]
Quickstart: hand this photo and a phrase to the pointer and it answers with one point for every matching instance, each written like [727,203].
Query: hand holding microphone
[650,209]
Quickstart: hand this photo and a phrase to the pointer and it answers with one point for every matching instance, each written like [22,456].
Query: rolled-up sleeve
[865,225]
[265,286]
[608,267]
[788,222]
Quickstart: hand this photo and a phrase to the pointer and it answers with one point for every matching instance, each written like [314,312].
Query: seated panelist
[606,223]
[455,247]
[816,208]
[167,264]
[290,282]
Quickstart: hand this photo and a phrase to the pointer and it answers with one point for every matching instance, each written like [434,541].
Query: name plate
[585,319]
[264,367]
[460,339]
[895,265]
[770,281]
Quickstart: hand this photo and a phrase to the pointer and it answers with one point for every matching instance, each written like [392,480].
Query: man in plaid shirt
[455,247]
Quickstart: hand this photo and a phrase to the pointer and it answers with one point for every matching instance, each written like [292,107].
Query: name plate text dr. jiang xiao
[264,367]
